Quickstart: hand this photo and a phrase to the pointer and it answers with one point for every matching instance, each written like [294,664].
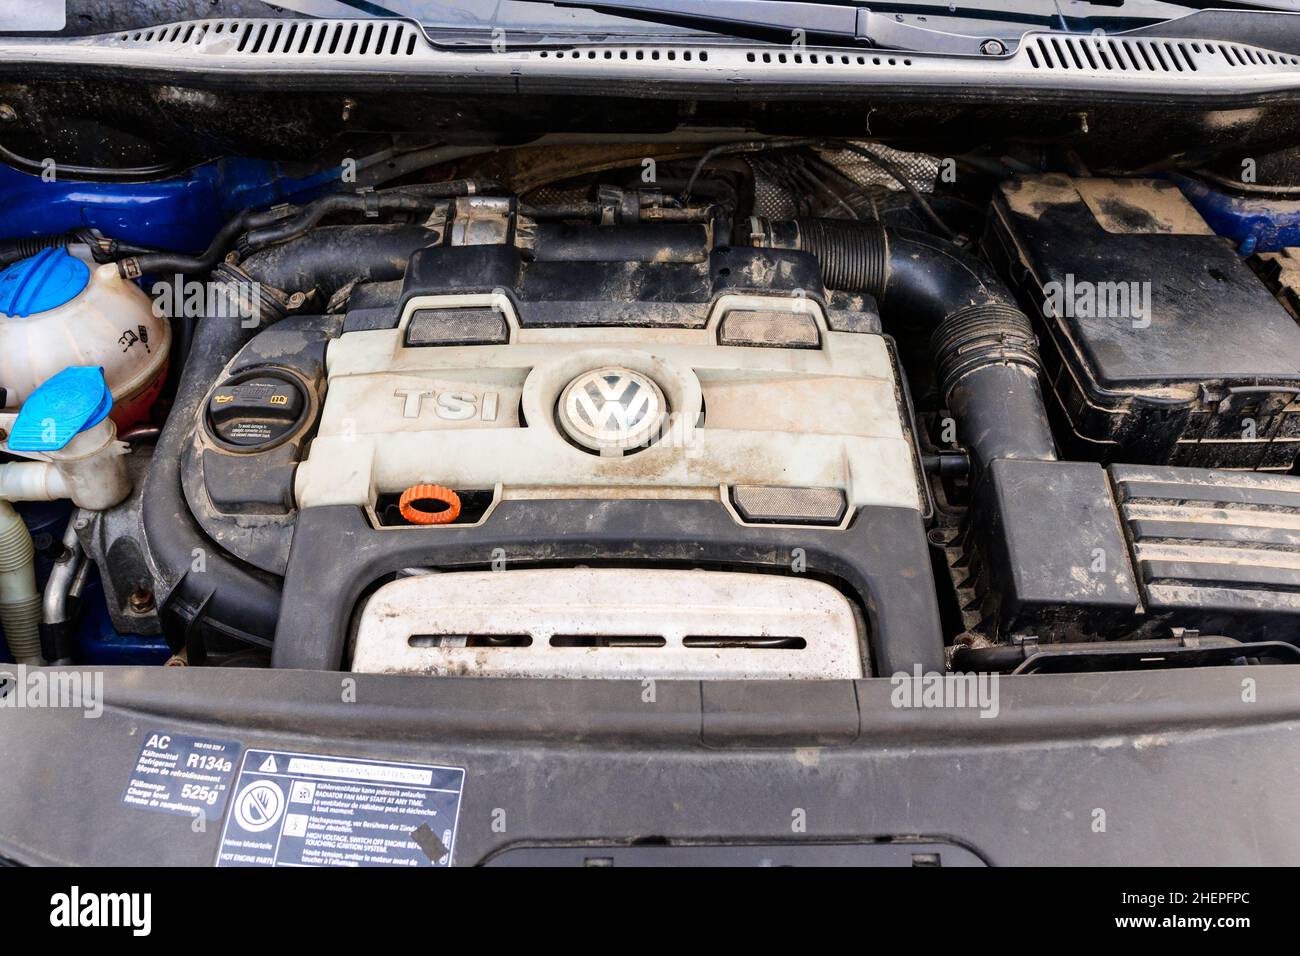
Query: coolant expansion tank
[57,311]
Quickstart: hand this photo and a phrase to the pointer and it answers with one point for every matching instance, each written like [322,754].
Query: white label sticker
[176,773]
[292,809]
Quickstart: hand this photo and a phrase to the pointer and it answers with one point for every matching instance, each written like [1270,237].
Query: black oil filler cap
[255,411]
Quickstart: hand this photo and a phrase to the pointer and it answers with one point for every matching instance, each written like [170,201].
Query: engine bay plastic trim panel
[694,764]
[352,49]
[881,559]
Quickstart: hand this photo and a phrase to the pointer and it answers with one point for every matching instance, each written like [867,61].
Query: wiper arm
[790,18]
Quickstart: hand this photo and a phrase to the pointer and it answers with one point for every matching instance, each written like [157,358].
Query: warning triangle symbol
[268,766]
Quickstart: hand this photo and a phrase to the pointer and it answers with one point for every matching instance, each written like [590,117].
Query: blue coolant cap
[67,403]
[45,281]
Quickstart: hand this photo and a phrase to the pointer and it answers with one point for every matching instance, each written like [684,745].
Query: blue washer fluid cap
[65,404]
[46,281]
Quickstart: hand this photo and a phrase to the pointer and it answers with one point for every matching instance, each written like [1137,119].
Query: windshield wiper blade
[792,18]
[1275,6]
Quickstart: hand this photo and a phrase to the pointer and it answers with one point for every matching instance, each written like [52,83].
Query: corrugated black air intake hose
[983,344]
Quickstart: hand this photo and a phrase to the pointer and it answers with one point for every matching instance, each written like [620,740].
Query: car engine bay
[763,407]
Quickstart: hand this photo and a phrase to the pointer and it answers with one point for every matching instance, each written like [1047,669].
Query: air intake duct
[983,344]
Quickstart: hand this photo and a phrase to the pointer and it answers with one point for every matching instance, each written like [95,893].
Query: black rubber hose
[283,223]
[203,583]
[103,250]
[853,255]
[983,344]
[15,250]
[402,199]
[206,261]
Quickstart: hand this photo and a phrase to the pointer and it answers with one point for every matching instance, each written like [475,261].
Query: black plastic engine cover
[238,466]
[881,560]
[675,291]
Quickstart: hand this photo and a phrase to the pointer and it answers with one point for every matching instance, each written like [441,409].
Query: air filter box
[1071,551]
[1160,346]
[1053,552]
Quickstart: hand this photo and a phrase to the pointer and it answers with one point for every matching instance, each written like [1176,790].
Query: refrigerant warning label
[291,809]
[179,774]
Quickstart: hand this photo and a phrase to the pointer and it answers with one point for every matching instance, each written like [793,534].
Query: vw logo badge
[612,410]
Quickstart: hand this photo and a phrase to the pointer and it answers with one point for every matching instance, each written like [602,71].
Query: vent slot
[670,55]
[750,643]
[607,640]
[1114,54]
[469,640]
[825,59]
[287,37]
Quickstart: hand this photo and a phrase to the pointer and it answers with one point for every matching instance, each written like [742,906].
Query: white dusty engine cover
[672,413]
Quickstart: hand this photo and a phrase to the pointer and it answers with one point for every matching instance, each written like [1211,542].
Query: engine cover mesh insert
[610,623]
